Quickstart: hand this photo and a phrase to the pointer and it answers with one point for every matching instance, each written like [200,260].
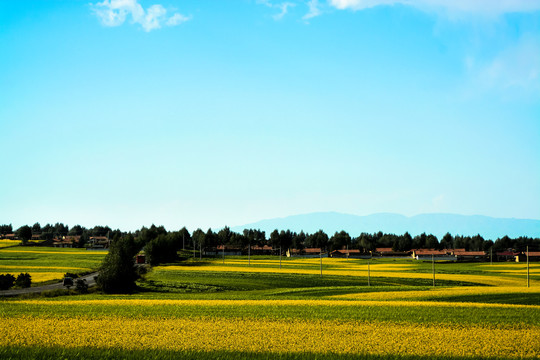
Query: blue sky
[207,113]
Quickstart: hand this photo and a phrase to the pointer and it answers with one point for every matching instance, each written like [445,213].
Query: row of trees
[157,237]
[59,230]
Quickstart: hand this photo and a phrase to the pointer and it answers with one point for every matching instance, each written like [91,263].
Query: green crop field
[235,310]
[46,264]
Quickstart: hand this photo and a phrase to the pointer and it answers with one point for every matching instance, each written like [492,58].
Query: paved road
[37,289]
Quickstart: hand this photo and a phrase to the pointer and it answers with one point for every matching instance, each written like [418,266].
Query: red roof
[430,252]
[469,253]
[265,247]
[507,253]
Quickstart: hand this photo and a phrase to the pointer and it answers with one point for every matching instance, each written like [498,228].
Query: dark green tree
[24,233]
[340,240]
[24,280]
[117,273]
[6,281]
[161,250]
[6,229]
[36,229]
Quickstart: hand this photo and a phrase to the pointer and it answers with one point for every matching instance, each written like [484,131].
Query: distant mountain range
[436,224]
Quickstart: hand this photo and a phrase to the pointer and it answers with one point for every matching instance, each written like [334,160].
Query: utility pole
[249,253]
[200,250]
[347,252]
[368,272]
[528,282]
[491,256]
[433,268]
[321,261]
[280,256]
[194,248]
[183,242]
[223,254]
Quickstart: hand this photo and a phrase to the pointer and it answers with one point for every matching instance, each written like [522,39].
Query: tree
[317,240]
[36,228]
[6,229]
[274,239]
[447,242]
[81,286]
[299,240]
[340,240]
[76,230]
[161,250]
[225,235]
[6,281]
[24,280]
[117,273]
[25,233]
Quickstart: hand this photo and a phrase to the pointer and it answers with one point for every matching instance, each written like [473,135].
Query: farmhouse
[470,255]
[262,250]
[349,253]
[223,250]
[508,255]
[99,242]
[533,256]
[67,241]
[429,254]
[307,252]
[389,252]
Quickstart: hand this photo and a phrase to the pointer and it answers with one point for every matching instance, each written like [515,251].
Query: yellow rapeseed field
[274,336]
[382,270]
[6,243]
[281,302]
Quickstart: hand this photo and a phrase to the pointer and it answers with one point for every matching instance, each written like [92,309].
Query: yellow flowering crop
[376,271]
[263,303]
[271,336]
[5,243]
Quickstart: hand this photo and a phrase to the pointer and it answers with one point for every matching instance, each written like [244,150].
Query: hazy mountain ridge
[436,224]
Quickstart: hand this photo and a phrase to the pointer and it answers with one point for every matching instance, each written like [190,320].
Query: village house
[306,253]
[349,253]
[432,254]
[99,242]
[67,241]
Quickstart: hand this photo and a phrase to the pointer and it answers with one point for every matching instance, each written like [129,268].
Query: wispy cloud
[514,69]
[314,10]
[483,7]
[116,12]
[282,7]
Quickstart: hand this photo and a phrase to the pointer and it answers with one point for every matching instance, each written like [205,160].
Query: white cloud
[116,12]
[517,67]
[314,10]
[514,71]
[283,7]
[484,7]
[177,19]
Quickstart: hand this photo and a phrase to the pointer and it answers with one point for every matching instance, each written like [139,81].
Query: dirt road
[37,289]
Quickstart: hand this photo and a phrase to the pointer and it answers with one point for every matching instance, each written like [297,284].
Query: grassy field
[6,243]
[207,309]
[46,264]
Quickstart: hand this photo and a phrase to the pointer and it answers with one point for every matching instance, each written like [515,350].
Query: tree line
[158,240]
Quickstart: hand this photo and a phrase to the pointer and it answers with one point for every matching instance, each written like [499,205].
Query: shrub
[24,280]
[81,286]
[6,281]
